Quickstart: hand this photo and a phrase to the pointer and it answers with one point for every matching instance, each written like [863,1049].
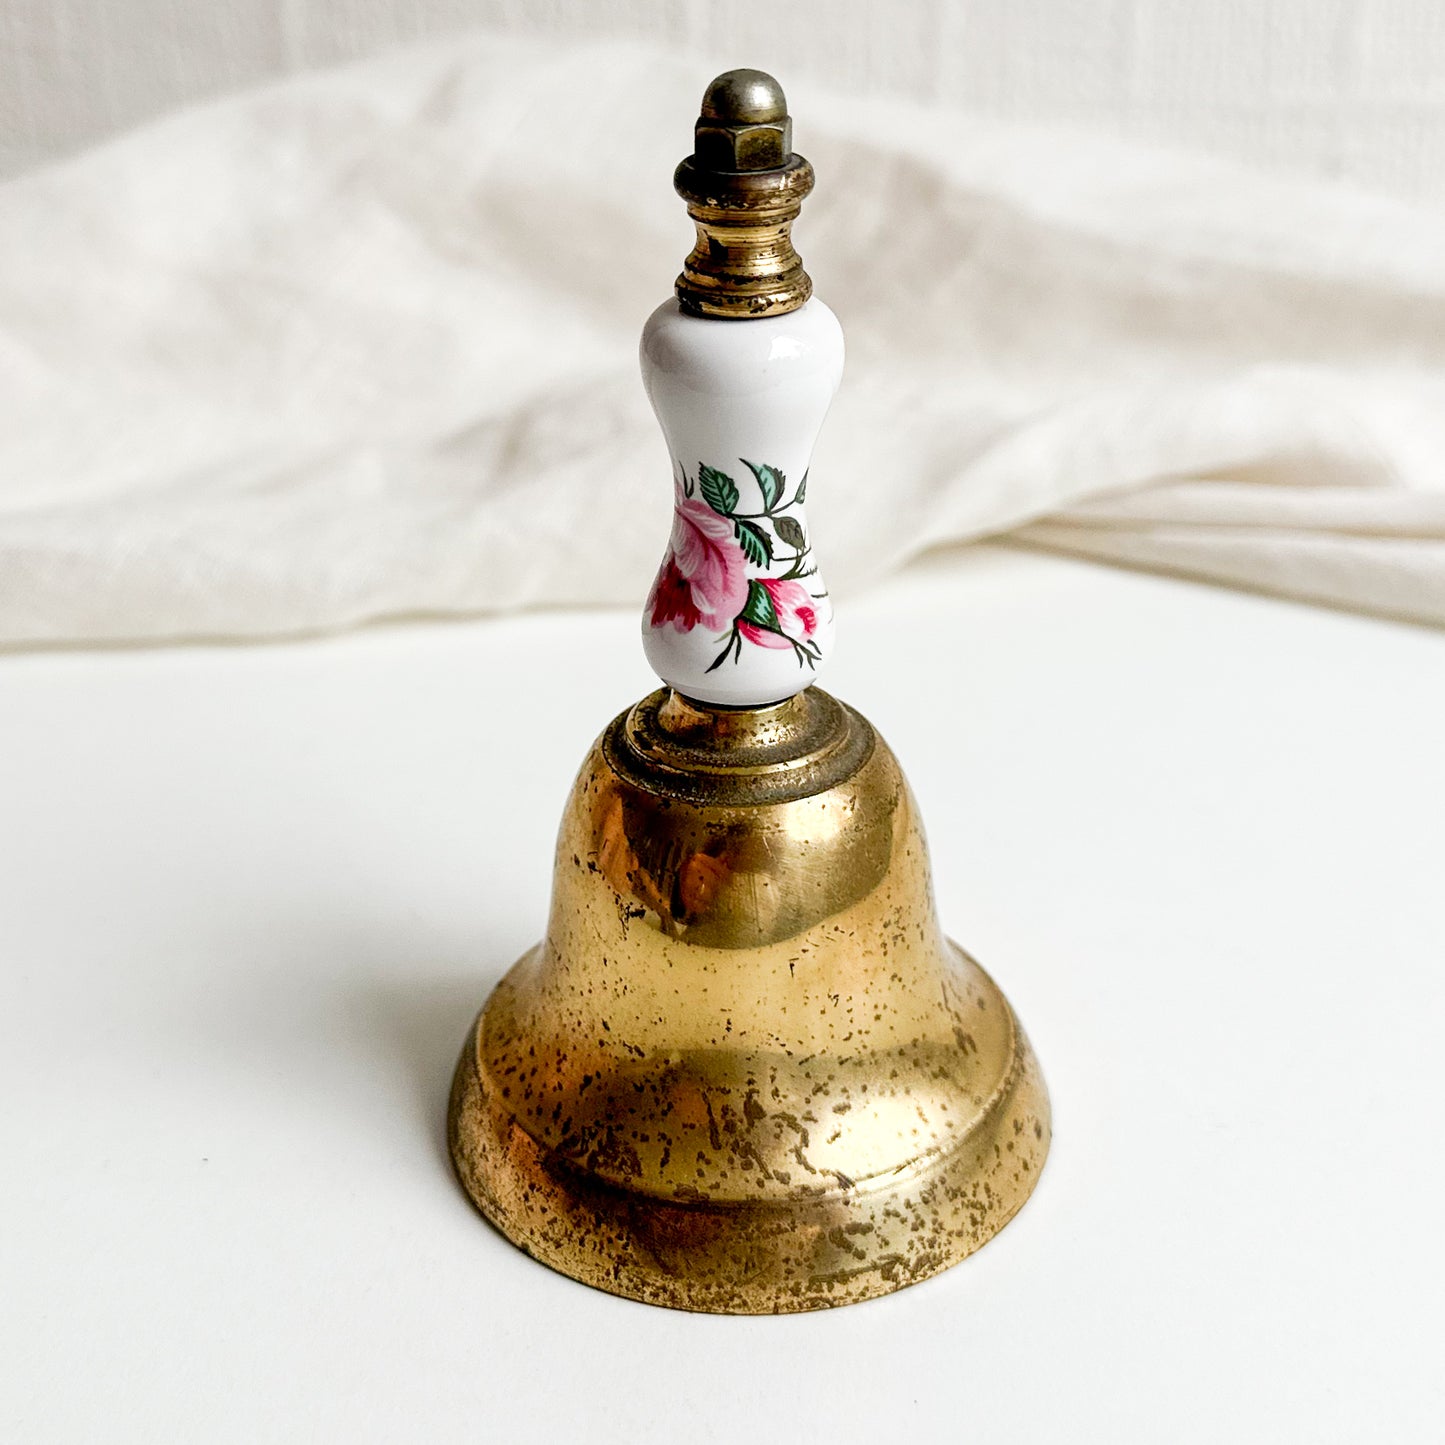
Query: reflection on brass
[744,188]
[745,1071]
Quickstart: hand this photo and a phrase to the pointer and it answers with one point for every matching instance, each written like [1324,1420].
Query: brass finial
[744,188]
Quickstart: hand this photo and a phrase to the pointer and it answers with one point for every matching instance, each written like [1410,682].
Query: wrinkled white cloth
[363,345]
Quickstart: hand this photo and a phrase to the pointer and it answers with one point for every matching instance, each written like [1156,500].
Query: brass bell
[745,1071]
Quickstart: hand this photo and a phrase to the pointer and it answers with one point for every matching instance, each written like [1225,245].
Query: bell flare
[745,1071]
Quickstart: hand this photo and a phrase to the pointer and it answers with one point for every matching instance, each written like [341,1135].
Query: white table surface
[250,898]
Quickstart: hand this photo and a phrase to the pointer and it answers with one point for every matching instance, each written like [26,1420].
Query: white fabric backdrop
[362,345]
[1345,88]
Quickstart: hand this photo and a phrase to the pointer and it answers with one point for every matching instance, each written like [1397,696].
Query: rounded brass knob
[743,124]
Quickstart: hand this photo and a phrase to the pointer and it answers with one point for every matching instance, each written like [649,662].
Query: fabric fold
[363,345]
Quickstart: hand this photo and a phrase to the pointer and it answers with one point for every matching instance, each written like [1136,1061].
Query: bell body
[745,1071]
[739,613]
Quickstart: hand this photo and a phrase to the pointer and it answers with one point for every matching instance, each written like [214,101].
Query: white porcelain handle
[738,613]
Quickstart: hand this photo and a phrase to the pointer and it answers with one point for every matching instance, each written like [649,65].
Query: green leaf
[718,489]
[723,656]
[802,489]
[759,608]
[756,544]
[791,531]
[770,481]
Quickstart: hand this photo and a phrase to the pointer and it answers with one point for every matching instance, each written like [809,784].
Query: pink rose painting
[794,609]
[704,582]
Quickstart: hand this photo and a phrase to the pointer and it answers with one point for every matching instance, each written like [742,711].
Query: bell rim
[605,1242]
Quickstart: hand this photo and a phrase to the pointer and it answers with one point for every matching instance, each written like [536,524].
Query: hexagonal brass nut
[762,147]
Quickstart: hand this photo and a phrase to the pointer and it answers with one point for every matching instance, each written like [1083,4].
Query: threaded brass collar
[739,757]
